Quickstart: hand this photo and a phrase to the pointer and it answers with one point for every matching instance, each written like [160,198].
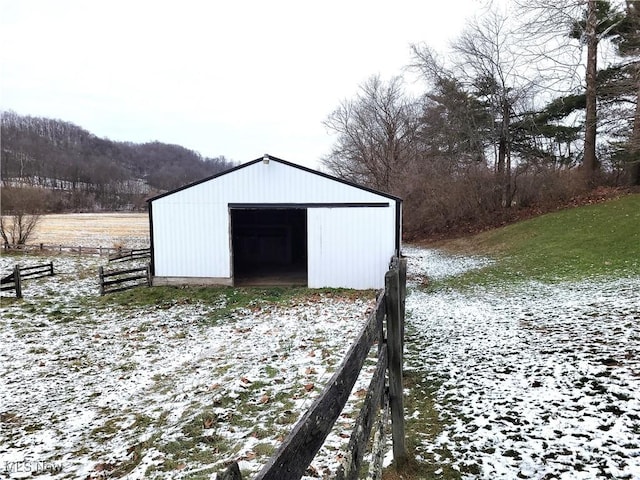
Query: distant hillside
[83,172]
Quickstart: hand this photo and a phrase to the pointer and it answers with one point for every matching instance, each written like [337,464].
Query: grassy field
[112,230]
[542,324]
[175,382]
[163,382]
[600,240]
[159,382]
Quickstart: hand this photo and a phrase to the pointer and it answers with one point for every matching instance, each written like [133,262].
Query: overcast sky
[234,78]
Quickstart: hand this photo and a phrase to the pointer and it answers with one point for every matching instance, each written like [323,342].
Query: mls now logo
[32,466]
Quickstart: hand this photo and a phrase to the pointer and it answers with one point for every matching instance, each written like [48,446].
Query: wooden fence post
[51,267]
[380,313]
[101,275]
[148,275]
[402,279]
[394,344]
[17,280]
[231,473]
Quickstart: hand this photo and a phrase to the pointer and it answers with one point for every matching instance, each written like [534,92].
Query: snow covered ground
[535,381]
[92,390]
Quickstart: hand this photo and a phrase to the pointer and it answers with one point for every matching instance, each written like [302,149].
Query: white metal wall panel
[350,247]
[191,226]
[191,242]
[272,183]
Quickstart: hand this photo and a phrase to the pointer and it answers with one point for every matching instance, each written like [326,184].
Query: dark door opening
[269,246]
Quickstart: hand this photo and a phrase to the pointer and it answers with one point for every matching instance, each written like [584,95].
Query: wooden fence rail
[127,254]
[74,249]
[308,435]
[119,280]
[37,271]
[13,281]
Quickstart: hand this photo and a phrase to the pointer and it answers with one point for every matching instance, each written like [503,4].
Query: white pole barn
[273,222]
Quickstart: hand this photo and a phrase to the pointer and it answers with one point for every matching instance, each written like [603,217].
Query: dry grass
[93,230]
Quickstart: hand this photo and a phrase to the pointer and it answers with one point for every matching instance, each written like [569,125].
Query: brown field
[129,230]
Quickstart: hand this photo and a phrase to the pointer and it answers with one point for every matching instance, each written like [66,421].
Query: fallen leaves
[230,378]
[104,467]
[361,393]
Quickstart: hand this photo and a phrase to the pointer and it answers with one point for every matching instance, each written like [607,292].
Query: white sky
[235,78]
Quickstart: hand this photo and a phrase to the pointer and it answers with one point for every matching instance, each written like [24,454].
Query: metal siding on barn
[191,230]
[189,241]
[279,183]
[350,247]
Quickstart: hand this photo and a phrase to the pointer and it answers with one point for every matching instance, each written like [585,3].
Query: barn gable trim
[284,162]
[276,206]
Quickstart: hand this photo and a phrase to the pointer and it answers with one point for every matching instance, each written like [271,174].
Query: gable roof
[284,162]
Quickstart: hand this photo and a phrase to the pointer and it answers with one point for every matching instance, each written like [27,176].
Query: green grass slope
[601,240]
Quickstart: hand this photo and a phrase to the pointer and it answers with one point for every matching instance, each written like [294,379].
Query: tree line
[50,165]
[526,110]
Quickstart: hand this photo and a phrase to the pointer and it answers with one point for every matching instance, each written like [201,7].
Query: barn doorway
[269,246]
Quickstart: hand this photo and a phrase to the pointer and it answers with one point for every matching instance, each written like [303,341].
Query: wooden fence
[123,255]
[13,281]
[119,280]
[73,249]
[307,437]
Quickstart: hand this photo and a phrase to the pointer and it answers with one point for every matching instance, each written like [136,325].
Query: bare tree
[590,164]
[21,214]
[376,135]
[486,65]
[17,228]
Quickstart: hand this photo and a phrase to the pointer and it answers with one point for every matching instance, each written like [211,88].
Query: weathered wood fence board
[308,435]
[364,422]
[74,249]
[13,281]
[37,271]
[395,342]
[377,450]
[126,255]
[124,279]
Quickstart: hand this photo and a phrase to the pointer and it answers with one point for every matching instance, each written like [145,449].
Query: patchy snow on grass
[535,381]
[435,265]
[97,390]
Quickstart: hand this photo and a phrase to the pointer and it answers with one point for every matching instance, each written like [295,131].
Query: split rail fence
[124,255]
[73,249]
[124,279]
[385,390]
[13,281]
